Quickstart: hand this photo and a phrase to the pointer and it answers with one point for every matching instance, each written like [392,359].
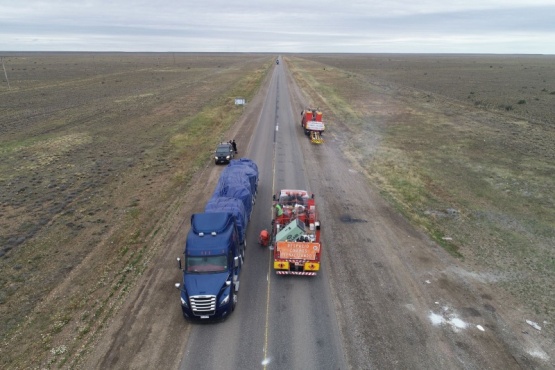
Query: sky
[286,26]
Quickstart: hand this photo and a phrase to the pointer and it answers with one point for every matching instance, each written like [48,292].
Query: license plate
[205,317]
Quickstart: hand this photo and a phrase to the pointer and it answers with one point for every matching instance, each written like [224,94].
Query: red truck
[296,233]
[313,125]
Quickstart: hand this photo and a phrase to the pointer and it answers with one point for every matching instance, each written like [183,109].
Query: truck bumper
[289,268]
[220,313]
[304,273]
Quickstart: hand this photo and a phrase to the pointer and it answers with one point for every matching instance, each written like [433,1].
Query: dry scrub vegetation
[94,151]
[461,145]
[97,149]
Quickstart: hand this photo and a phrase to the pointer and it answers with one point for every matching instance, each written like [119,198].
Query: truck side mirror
[177,286]
[274,197]
[179,263]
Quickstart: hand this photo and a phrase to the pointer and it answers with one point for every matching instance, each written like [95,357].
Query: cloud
[279,26]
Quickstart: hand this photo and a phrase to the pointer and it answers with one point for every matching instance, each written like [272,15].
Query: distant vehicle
[215,246]
[224,153]
[277,61]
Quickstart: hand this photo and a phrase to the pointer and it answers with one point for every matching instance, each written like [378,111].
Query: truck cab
[213,258]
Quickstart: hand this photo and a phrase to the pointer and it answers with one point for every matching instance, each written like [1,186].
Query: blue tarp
[247,162]
[235,184]
[232,200]
[247,168]
[237,190]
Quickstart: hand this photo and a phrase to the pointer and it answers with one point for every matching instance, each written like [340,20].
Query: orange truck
[296,233]
[313,125]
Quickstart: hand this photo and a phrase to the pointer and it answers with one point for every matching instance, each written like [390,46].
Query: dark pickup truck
[224,153]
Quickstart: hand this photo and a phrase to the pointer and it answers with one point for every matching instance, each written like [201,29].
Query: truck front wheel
[234,302]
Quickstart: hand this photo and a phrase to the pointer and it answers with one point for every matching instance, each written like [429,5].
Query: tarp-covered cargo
[235,185]
[244,168]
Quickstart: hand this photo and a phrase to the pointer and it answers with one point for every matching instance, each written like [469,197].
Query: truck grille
[203,305]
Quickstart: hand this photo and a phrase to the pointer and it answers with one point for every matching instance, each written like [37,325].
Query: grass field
[434,135]
[94,151]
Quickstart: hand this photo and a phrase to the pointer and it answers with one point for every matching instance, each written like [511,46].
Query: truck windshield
[206,264]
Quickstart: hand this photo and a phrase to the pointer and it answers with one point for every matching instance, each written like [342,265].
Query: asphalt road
[281,322]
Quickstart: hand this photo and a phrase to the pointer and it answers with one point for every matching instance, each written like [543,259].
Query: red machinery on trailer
[296,233]
[313,125]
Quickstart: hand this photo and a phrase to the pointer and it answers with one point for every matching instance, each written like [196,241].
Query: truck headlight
[225,300]
[216,157]
[227,157]
[184,302]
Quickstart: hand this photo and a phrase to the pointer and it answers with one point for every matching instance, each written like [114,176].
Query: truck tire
[234,300]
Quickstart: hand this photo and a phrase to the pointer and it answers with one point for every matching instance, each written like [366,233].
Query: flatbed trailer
[296,234]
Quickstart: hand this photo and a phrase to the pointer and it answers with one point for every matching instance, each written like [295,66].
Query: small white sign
[240,101]
[315,126]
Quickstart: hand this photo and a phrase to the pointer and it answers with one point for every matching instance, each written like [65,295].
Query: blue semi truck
[215,245]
